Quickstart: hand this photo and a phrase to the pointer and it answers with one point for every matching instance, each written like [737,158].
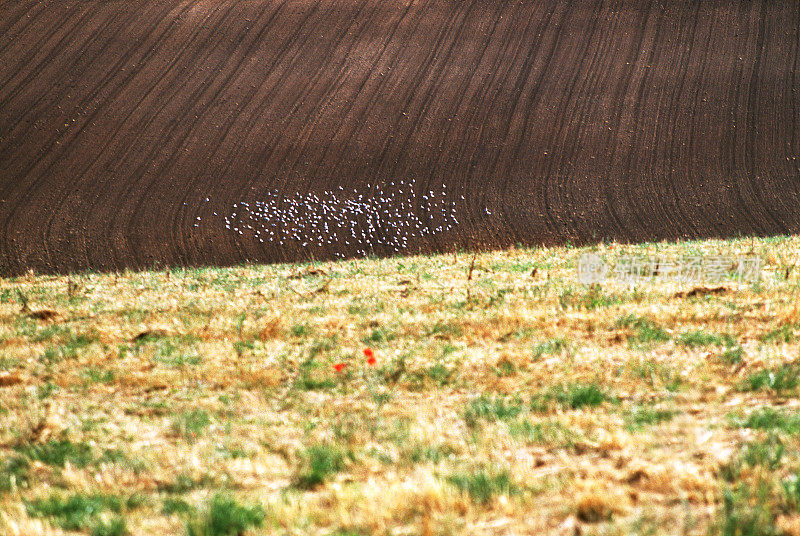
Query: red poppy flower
[370,356]
[339,366]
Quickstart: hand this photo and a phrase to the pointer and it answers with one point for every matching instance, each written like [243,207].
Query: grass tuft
[550,346]
[58,452]
[640,416]
[700,338]
[746,513]
[781,379]
[191,424]
[492,408]
[320,463]
[645,331]
[769,419]
[13,473]
[76,512]
[482,486]
[225,517]
[116,526]
[571,396]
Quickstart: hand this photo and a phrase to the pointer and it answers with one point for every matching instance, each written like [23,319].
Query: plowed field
[172,132]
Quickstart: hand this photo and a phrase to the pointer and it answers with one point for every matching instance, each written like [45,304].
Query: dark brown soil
[556,120]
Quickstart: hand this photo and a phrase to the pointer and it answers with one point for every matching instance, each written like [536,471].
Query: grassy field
[503,398]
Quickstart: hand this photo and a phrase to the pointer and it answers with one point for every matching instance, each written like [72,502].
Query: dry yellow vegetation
[506,398]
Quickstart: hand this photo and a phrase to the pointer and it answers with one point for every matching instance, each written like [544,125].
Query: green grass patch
[746,512]
[483,486]
[784,333]
[71,346]
[225,517]
[790,490]
[768,453]
[95,375]
[184,483]
[58,452]
[571,396]
[592,298]
[440,374]
[116,526]
[769,419]
[13,473]
[378,336]
[550,433]
[176,505]
[656,374]
[175,354]
[639,417]
[301,330]
[80,511]
[504,368]
[315,375]
[732,356]
[429,453]
[319,463]
[645,331]
[492,408]
[551,346]
[778,379]
[700,338]
[191,424]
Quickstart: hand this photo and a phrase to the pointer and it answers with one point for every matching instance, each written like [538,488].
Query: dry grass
[506,398]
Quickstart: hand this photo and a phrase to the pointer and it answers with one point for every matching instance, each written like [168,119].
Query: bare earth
[555,120]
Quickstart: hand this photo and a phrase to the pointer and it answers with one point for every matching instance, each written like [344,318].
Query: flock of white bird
[384,216]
